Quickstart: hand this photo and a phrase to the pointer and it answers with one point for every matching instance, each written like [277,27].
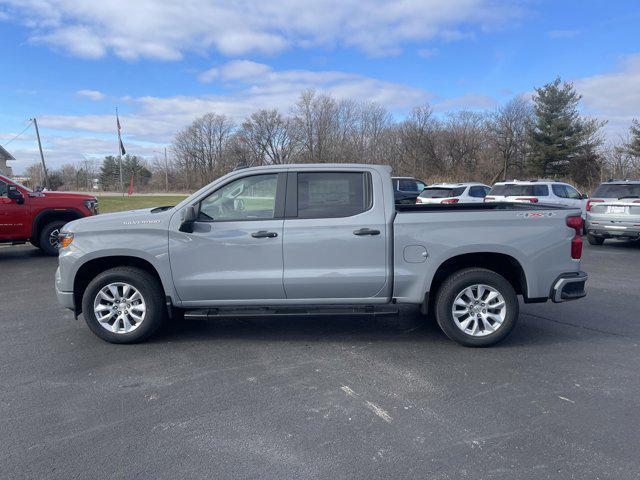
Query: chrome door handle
[264,234]
[366,231]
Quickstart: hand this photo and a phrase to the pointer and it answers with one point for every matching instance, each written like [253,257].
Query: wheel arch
[90,269]
[51,215]
[501,263]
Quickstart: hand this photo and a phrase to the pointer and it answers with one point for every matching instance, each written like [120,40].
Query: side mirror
[189,216]
[15,194]
[584,196]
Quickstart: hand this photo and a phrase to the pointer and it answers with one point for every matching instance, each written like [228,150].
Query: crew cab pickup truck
[321,240]
[36,217]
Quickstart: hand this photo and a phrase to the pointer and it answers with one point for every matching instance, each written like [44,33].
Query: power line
[24,130]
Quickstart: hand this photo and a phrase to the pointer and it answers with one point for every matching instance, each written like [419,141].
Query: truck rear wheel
[124,305]
[48,239]
[593,240]
[476,307]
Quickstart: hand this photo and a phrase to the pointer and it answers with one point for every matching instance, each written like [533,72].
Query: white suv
[454,193]
[538,191]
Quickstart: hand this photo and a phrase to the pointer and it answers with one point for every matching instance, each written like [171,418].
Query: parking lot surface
[322,397]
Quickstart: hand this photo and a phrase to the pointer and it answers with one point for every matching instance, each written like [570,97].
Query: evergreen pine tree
[633,146]
[109,176]
[556,133]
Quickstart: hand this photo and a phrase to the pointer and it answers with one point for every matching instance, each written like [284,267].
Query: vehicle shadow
[622,244]
[409,326]
[20,252]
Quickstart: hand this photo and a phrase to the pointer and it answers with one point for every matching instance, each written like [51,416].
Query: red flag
[131,185]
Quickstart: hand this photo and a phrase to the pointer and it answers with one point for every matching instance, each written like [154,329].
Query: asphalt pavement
[337,398]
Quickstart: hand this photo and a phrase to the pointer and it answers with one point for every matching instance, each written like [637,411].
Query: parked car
[538,191]
[317,239]
[449,193]
[406,189]
[36,217]
[613,211]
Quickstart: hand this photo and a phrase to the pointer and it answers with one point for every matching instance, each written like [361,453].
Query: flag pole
[119,152]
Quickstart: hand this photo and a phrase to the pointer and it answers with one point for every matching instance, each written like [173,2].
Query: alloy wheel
[479,310]
[119,307]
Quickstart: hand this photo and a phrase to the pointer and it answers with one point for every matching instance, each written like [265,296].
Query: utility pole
[166,171]
[44,166]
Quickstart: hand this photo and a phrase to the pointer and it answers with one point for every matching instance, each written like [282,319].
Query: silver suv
[613,211]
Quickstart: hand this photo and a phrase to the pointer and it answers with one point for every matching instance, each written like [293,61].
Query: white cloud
[614,96]
[94,95]
[254,86]
[165,29]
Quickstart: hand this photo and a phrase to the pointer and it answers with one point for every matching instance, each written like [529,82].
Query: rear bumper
[569,286]
[613,226]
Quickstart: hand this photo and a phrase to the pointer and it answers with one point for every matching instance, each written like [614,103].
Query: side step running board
[317,311]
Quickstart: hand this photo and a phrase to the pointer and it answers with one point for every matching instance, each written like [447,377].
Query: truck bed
[457,207]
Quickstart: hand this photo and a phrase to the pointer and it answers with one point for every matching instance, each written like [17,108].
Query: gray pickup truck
[318,240]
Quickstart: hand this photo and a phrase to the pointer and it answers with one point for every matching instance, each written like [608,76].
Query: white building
[4,157]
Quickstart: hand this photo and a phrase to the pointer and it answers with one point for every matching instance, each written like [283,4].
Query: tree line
[544,136]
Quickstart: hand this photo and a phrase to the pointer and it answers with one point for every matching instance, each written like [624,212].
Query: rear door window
[3,189]
[516,190]
[333,194]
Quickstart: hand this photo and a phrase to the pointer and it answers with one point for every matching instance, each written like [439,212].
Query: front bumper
[569,286]
[66,299]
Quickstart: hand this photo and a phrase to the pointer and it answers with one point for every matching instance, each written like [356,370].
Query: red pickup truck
[37,217]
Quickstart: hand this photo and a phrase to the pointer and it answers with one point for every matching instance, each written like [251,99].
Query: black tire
[458,282]
[149,288]
[46,241]
[593,240]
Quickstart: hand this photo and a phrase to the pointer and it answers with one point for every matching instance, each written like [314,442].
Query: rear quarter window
[478,192]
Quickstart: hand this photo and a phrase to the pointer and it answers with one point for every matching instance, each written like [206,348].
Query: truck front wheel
[48,239]
[124,305]
[476,307]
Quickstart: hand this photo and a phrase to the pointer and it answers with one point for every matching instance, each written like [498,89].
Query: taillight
[575,222]
[636,201]
[489,199]
[527,199]
[590,202]
[450,200]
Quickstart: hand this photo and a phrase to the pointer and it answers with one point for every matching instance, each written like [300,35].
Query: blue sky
[163,63]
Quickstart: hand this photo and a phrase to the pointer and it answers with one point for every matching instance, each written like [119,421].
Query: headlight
[92,205]
[65,239]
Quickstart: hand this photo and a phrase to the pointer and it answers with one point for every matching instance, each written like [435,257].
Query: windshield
[513,189]
[617,190]
[441,192]
[6,180]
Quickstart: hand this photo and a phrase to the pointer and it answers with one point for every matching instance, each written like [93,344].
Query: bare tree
[418,143]
[269,137]
[201,147]
[508,134]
